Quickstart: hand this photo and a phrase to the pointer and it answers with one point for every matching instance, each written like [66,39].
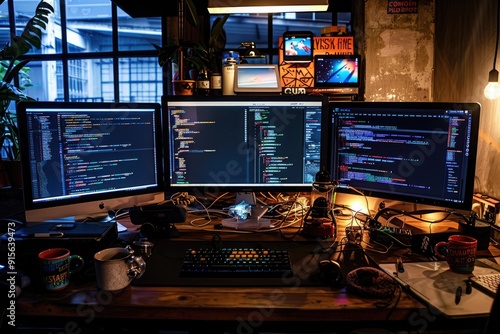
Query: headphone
[330,272]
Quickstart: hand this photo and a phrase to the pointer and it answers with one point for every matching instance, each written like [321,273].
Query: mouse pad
[163,266]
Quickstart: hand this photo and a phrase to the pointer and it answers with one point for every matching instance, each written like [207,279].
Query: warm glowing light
[492,90]
[266,6]
[358,206]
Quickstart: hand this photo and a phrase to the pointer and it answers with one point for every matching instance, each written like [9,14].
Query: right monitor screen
[422,152]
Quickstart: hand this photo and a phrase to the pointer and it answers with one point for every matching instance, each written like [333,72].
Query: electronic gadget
[336,71]
[243,144]
[236,262]
[157,221]
[298,46]
[419,152]
[256,78]
[81,160]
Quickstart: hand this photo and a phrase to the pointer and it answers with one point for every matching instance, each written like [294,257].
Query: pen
[458,295]
[43,235]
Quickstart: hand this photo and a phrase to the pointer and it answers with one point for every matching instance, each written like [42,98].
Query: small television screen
[336,71]
[298,46]
[262,78]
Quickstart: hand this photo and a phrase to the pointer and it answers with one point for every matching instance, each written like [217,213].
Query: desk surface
[236,309]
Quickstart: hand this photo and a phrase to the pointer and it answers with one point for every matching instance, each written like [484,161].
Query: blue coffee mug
[55,264]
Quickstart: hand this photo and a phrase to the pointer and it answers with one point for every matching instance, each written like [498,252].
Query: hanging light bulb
[492,89]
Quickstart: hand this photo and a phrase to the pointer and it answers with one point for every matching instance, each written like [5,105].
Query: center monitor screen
[233,143]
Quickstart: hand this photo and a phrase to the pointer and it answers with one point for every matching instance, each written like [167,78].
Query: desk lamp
[266,6]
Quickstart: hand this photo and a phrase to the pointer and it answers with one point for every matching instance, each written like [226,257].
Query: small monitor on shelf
[81,160]
[337,71]
[257,78]
[298,46]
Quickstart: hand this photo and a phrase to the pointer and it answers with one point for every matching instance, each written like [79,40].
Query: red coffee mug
[459,251]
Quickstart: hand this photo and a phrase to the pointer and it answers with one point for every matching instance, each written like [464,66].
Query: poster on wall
[402,7]
[302,74]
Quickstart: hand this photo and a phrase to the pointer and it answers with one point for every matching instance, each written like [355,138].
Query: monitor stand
[254,221]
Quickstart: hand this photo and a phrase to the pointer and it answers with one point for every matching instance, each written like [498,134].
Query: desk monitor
[83,159]
[243,143]
[420,152]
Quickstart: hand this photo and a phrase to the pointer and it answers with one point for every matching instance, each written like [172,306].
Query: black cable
[498,33]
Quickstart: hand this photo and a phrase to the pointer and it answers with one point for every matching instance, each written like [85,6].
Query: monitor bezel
[474,107]
[93,206]
[218,189]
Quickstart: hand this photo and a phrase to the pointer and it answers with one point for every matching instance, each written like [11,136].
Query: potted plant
[10,67]
[191,55]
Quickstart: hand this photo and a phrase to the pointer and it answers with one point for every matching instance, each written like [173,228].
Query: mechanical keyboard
[487,282]
[236,262]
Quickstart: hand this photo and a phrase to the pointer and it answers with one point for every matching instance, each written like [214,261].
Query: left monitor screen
[84,159]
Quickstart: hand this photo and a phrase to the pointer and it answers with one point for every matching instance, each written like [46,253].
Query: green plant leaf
[10,67]
[193,14]
[31,35]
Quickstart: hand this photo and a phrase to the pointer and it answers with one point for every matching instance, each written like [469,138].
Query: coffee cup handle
[137,267]
[78,260]
[437,249]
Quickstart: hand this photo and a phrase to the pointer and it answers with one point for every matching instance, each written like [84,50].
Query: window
[93,50]
[79,60]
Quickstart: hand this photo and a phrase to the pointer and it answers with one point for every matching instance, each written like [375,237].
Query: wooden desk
[226,309]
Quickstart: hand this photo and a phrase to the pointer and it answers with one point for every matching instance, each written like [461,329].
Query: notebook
[435,284]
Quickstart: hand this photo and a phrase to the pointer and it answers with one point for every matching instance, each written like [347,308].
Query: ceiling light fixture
[266,6]
[492,89]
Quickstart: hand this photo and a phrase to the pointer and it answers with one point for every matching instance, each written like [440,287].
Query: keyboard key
[487,282]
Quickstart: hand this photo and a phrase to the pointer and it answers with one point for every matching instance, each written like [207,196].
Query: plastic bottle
[228,76]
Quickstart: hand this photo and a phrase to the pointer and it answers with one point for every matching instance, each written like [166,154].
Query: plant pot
[183,87]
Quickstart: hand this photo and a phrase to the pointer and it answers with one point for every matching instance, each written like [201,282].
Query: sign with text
[402,7]
[302,74]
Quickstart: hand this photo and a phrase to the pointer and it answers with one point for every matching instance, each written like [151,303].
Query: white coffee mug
[116,267]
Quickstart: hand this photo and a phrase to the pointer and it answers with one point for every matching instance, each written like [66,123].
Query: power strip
[391,236]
